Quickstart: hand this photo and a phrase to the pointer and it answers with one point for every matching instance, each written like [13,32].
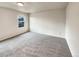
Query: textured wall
[72,27]
[51,22]
[9,23]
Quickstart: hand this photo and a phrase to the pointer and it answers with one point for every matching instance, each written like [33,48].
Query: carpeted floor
[34,45]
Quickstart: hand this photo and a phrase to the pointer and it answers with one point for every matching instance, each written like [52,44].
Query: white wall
[72,28]
[51,22]
[9,24]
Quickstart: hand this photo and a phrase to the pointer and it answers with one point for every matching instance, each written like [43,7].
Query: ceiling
[31,7]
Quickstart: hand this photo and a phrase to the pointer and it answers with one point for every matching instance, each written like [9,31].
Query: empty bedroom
[39,29]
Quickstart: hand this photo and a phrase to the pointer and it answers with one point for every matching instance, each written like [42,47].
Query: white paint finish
[30,7]
[9,24]
[51,22]
[72,28]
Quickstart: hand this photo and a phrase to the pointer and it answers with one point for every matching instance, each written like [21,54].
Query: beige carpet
[34,45]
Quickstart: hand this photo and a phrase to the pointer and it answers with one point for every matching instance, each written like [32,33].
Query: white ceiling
[30,7]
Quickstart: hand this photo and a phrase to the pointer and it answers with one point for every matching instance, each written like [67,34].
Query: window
[21,21]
